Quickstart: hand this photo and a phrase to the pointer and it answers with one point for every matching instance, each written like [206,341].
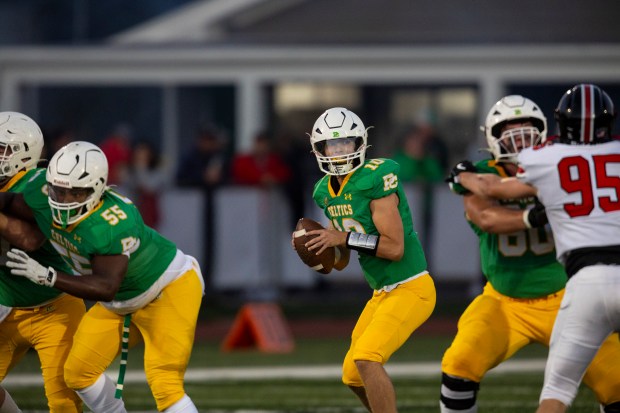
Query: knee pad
[612,408]
[77,377]
[458,394]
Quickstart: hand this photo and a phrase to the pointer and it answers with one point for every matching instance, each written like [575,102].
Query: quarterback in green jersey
[368,212]
[133,273]
[32,316]
[525,282]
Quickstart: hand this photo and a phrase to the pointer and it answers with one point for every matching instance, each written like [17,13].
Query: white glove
[21,264]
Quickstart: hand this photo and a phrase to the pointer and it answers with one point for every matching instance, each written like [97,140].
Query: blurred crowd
[281,161]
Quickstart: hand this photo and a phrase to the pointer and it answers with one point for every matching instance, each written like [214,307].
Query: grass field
[500,392]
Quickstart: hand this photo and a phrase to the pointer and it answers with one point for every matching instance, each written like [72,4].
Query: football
[322,263]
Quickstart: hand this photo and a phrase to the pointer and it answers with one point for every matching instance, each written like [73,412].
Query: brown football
[322,263]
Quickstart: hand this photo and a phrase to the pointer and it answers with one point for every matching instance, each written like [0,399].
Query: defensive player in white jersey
[577,179]
[142,282]
[525,282]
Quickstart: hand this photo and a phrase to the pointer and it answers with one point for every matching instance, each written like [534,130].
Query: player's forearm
[21,234]
[492,186]
[390,248]
[88,287]
[498,220]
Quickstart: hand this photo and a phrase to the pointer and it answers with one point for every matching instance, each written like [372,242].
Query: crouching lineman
[127,267]
[32,316]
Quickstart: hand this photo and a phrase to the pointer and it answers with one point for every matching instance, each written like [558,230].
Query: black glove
[536,216]
[452,179]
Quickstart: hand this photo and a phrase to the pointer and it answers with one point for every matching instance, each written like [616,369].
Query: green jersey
[348,209]
[16,291]
[521,264]
[113,227]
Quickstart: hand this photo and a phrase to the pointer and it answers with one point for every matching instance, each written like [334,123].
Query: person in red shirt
[261,167]
[117,149]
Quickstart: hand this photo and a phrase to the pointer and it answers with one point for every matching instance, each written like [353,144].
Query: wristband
[366,243]
[50,279]
[526,220]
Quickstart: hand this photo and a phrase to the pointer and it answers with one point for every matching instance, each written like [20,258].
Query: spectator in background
[294,150]
[204,165]
[117,149]
[261,167]
[417,163]
[144,179]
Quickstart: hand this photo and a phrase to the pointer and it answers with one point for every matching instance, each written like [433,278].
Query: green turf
[499,393]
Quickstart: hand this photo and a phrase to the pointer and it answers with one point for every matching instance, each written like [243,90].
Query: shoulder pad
[491,166]
[374,170]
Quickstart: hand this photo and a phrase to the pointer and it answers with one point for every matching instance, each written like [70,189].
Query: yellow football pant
[494,327]
[49,331]
[167,326]
[387,321]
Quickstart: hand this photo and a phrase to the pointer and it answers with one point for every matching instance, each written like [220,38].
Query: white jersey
[580,188]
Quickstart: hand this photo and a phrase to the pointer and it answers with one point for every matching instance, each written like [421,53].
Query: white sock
[444,409]
[100,396]
[9,405]
[185,405]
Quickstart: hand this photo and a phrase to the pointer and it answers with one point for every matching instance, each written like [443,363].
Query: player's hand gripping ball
[322,263]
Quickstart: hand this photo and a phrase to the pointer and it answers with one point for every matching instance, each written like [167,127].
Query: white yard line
[194,375]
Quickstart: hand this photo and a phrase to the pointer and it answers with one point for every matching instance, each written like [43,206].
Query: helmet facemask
[340,156]
[66,213]
[13,157]
[514,140]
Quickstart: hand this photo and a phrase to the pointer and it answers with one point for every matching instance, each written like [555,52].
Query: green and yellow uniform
[41,318]
[518,306]
[404,295]
[162,290]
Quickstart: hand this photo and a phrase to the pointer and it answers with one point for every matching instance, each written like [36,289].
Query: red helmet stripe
[587,107]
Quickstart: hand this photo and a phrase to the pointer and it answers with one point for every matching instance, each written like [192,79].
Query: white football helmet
[514,108]
[77,165]
[335,128]
[21,143]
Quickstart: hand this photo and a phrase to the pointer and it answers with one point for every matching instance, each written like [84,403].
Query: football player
[575,177]
[368,212]
[127,267]
[32,316]
[525,282]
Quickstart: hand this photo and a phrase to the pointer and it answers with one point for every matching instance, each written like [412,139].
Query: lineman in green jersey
[368,212]
[32,316]
[127,267]
[525,283]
